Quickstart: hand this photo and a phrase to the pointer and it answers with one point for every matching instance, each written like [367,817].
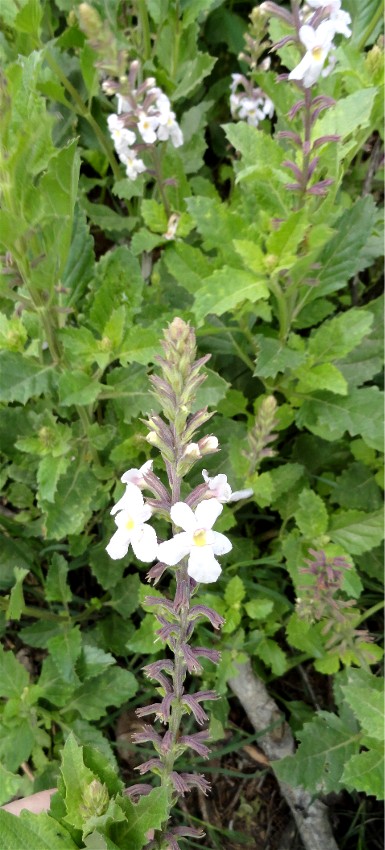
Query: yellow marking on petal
[317,53]
[199,537]
[130,524]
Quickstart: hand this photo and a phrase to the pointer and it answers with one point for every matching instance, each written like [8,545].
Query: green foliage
[283,288]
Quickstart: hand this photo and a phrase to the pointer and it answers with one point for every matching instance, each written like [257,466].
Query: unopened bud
[89,20]
[375,61]
[208,444]
[95,799]
[192,451]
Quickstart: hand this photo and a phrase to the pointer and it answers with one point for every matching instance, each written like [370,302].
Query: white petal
[202,566]
[118,545]
[207,513]
[132,501]
[182,515]
[221,544]
[144,543]
[241,494]
[172,551]
[308,36]
[299,72]
[325,34]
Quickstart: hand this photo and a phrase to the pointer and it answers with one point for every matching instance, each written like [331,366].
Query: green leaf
[65,650]
[72,506]
[259,609]
[311,515]
[365,772]
[149,813]
[367,705]
[188,265]
[10,784]
[225,289]
[211,392]
[118,280]
[56,587]
[275,356]
[48,474]
[326,745]
[112,687]
[192,73]
[14,677]
[357,531]
[348,114]
[235,591]
[130,390]
[76,778]
[16,600]
[356,488]
[335,338]
[33,832]
[93,661]
[359,413]
[78,388]
[326,376]
[270,653]
[125,595]
[22,378]
[340,259]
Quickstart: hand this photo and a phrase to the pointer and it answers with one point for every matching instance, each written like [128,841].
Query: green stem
[283,315]
[83,110]
[371,611]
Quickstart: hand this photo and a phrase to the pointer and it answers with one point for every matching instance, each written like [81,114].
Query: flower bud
[89,20]
[208,445]
[192,451]
[95,799]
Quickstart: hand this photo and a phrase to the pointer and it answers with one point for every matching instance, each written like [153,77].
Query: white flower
[132,529]
[135,476]
[147,125]
[134,165]
[318,44]
[197,540]
[337,16]
[163,106]
[221,490]
[124,104]
[170,130]
[122,138]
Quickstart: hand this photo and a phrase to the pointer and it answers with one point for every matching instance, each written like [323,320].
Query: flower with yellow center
[318,44]
[132,529]
[197,540]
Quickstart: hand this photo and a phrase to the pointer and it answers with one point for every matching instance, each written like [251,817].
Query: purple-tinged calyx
[203,611]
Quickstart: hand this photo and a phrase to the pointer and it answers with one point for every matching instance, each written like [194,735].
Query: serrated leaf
[365,772]
[22,378]
[348,114]
[192,73]
[335,338]
[357,531]
[356,488]
[48,474]
[118,280]
[130,390]
[76,778]
[65,650]
[311,515]
[368,706]
[16,603]
[270,653]
[326,745]
[274,356]
[359,413]
[33,832]
[212,391]
[340,258]
[9,784]
[225,289]
[112,687]
[56,587]
[13,676]
[72,505]
[325,376]
[78,388]
[235,591]
[149,813]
